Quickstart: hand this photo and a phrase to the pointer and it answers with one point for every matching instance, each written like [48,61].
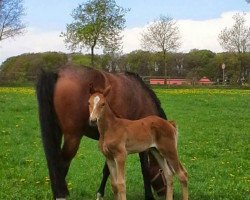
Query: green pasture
[214,145]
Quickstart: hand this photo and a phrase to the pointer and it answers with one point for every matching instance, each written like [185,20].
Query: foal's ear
[107,90]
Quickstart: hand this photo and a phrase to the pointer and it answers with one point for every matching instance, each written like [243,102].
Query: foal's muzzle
[92,122]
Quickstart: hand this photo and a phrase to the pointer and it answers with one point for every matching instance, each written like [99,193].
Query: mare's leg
[167,172]
[146,178]
[113,176]
[120,167]
[69,150]
[101,190]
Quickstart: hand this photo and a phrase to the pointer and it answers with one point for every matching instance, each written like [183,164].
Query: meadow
[214,146]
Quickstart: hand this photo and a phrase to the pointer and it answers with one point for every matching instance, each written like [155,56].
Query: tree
[197,63]
[113,50]
[11,13]
[162,35]
[139,62]
[94,22]
[237,39]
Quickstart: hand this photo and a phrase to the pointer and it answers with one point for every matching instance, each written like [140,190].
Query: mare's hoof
[99,196]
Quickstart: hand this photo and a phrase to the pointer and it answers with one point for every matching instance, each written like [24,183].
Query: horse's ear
[107,90]
[91,88]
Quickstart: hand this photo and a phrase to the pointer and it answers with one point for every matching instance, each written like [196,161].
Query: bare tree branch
[11,12]
[161,35]
[236,38]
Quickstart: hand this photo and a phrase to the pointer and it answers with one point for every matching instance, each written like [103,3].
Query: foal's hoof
[99,196]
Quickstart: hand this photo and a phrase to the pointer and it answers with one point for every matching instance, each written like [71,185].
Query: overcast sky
[199,21]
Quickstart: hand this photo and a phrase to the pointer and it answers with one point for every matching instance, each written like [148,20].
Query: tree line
[192,65]
[99,23]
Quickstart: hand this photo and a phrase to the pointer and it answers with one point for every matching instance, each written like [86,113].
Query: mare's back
[130,97]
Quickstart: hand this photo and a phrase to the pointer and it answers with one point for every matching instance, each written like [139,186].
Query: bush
[24,68]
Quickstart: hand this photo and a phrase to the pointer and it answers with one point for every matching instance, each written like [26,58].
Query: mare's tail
[50,130]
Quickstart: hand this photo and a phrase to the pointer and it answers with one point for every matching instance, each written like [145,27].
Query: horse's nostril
[92,122]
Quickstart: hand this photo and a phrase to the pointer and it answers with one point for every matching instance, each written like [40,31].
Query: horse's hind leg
[183,178]
[69,150]
[177,168]
[101,190]
[145,173]
[167,172]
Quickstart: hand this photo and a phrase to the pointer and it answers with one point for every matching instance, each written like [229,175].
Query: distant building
[157,81]
[178,81]
[205,81]
[161,81]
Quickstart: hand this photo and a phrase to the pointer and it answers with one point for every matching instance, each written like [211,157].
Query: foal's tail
[173,123]
[50,130]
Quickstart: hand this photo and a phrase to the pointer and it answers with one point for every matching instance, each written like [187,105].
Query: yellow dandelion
[22,180]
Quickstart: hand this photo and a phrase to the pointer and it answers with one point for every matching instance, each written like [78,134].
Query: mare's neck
[107,119]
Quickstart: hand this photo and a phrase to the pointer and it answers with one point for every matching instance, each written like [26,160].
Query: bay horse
[63,113]
[120,137]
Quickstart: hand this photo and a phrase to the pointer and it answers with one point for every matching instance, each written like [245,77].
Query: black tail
[50,130]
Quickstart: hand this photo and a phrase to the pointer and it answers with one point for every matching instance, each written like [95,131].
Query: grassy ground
[214,145]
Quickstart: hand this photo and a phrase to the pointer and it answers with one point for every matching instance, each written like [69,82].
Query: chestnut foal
[119,137]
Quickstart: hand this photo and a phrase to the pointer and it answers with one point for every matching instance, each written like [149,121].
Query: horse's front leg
[101,190]
[113,176]
[145,172]
[120,168]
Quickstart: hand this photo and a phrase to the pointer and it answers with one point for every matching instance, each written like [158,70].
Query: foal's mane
[149,91]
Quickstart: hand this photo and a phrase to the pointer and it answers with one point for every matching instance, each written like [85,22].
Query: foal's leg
[176,166]
[167,173]
[113,176]
[183,178]
[120,167]
[145,172]
[101,190]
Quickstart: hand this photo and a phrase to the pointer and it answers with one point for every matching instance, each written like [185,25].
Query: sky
[199,22]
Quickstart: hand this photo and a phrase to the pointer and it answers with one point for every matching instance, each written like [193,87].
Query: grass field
[214,145]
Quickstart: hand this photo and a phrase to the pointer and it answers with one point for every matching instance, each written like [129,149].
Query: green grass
[214,145]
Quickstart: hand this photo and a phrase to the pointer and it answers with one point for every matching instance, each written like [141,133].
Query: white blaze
[96,100]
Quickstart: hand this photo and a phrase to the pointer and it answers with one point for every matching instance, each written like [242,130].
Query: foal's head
[97,103]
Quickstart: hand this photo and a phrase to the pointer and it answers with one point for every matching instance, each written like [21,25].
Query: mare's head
[97,104]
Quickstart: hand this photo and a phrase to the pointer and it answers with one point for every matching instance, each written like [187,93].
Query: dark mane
[150,92]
